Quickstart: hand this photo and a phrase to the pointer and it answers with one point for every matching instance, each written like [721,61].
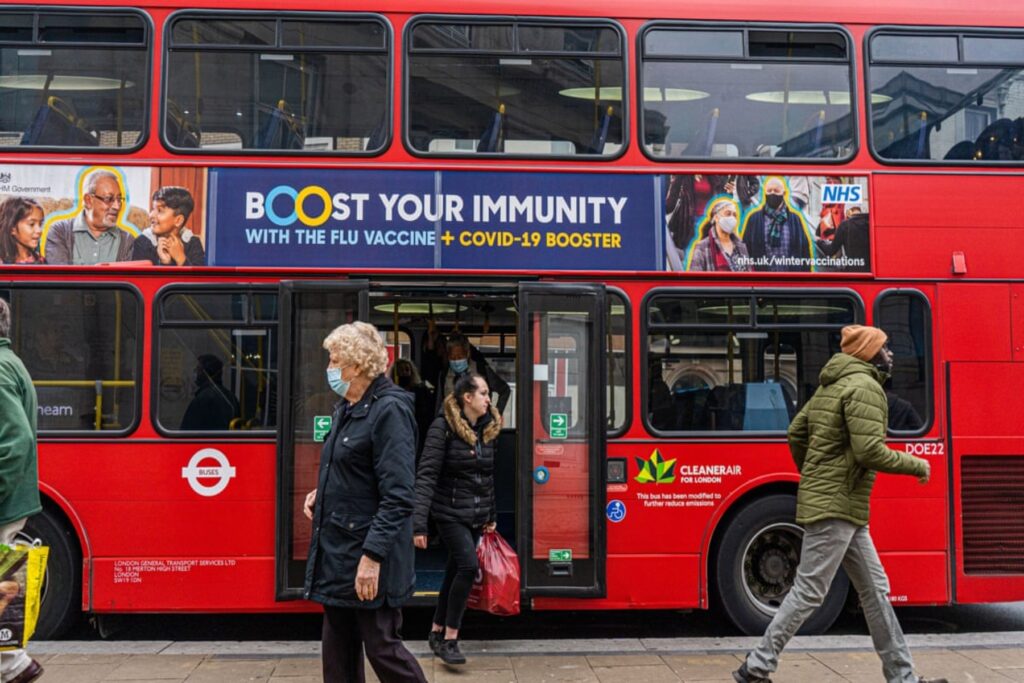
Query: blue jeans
[826,545]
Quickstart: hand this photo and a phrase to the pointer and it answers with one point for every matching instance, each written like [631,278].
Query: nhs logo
[842,194]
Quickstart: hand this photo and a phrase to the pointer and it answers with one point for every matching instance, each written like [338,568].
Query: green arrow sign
[560,555]
[321,427]
[558,425]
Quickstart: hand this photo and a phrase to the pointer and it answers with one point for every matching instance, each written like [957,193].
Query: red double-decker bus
[651,220]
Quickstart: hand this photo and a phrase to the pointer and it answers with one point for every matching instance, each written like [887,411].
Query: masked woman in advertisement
[21,226]
[360,565]
[455,485]
[722,249]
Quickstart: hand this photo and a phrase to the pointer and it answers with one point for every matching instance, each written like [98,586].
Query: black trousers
[347,631]
[459,573]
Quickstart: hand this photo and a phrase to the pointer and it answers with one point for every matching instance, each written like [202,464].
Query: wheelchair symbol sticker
[615,511]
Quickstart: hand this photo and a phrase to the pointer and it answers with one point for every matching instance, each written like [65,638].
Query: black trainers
[742,675]
[450,653]
[434,640]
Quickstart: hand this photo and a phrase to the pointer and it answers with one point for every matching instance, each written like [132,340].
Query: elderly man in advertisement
[92,236]
[721,250]
[775,234]
[838,444]
[19,476]
[167,242]
[360,565]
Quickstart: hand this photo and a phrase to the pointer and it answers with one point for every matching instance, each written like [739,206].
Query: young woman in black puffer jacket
[455,486]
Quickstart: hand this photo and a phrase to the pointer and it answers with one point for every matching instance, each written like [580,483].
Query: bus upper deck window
[943,97]
[521,88]
[298,85]
[741,93]
[73,79]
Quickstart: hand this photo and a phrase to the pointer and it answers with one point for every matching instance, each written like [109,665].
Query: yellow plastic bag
[22,568]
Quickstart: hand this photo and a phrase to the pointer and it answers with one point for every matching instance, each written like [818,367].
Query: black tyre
[60,609]
[756,563]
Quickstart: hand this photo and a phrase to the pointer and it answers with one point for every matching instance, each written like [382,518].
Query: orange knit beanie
[861,341]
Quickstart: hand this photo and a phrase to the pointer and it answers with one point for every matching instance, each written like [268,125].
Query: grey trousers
[12,662]
[826,545]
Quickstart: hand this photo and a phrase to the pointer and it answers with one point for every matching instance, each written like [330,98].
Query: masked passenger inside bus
[213,406]
[403,373]
[446,361]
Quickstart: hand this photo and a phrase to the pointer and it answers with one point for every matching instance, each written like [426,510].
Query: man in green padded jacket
[838,443]
[19,478]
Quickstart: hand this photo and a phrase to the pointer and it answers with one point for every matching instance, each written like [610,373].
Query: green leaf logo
[655,469]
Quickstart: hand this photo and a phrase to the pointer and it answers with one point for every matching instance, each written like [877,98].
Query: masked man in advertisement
[775,232]
[19,477]
[92,236]
[721,250]
[360,565]
[838,444]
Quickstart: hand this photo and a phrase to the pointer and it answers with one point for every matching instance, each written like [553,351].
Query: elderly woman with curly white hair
[360,563]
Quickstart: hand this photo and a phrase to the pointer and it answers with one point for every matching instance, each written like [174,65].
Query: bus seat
[378,136]
[819,129]
[180,132]
[600,133]
[57,124]
[961,150]
[491,140]
[766,407]
[922,138]
[725,407]
[281,130]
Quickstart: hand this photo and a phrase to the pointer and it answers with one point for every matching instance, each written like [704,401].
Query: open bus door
[308,312]
[561,424]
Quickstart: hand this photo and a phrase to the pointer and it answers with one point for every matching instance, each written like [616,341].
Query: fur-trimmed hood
[462,429]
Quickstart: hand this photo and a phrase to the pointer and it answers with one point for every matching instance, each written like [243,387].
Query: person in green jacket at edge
[838,443]
[19,475]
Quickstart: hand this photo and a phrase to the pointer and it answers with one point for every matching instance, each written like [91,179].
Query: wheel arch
[57,503]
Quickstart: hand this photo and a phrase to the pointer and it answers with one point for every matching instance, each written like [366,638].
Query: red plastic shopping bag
[496,588]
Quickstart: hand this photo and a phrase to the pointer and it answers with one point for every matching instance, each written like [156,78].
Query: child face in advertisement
[28,230]
[164,220]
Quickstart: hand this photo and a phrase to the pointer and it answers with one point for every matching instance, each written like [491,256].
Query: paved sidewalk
[962,658]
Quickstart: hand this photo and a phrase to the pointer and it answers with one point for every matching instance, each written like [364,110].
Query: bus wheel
[757,561]
[62,585]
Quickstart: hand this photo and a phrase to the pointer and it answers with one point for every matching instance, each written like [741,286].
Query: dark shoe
[742,675]
[434,640]
[450,653]
[33,671]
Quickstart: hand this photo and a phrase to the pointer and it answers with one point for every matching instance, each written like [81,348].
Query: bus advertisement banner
[439,219]
[346,218]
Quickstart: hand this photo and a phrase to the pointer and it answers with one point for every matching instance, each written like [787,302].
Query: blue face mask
[338,385]
[460,366]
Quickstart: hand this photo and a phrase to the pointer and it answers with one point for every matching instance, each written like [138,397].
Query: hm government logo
[196,471]
[5,178]
[655,470]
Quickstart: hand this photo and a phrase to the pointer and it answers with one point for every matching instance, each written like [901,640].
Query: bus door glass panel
[80,344]
[217,366]
[931,101]
[309,311]
[746,93]
[561,430]
[73,79]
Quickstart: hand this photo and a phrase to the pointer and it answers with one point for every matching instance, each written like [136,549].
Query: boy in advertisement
[167,242]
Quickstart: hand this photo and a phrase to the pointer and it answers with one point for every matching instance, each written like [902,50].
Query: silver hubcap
[769,565]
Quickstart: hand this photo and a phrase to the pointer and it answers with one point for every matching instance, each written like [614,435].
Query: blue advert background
[434,219]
